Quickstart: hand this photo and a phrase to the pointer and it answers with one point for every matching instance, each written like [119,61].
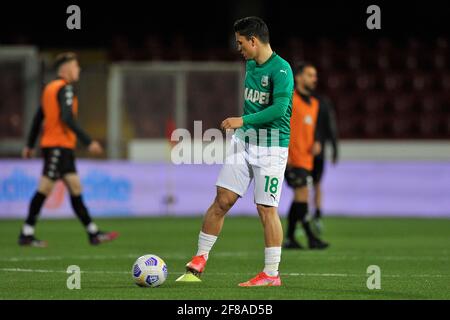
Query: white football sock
[205,243]
[272,260]
[27,230]
[92,228]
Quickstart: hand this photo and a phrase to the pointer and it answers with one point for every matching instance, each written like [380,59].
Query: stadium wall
[130,188]
[349,150]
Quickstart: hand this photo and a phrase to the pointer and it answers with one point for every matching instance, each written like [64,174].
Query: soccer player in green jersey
[259,151]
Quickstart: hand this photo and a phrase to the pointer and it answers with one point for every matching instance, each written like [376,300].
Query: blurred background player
[57,113]
[268,101]
[304,145]
[328,134]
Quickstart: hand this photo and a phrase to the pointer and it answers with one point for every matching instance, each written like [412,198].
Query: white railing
[174,77]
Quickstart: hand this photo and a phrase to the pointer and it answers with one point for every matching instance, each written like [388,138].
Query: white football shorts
[245,162]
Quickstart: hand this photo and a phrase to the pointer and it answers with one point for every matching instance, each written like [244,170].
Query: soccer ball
[149,271]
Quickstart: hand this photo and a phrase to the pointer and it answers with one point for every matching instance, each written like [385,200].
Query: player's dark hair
[63,58]
[300,66]
[252,27]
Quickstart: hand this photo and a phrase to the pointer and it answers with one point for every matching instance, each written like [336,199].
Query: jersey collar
[61,78]
[267,61]
[304,97]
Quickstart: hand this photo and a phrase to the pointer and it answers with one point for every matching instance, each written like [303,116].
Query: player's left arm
[35,128]
[318,131]
[328,125]
[282,95]
[333,131]
[33,134]
[65,99]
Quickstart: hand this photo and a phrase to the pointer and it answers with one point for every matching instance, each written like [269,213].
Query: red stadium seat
[429,125]
[365,81]
[429,103]
[325,45]
[443,82]
[421,81]
[440,60]
[388,56]
[296,47]
[384,45]
[442,43]
[446,131]
[354,61]
[374,103]
[349,125]
[354,44]
[153,48]
[325,61]
[339,81]
[384,61]
[374,127]
[445,105]
[369,60]
[394,82]
[414,44]
[401,127]
[179,49]
[411,62]
[402,103]
[346,103]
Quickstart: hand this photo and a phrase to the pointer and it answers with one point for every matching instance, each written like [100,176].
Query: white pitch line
[108,257]
[18,259]
[88,257]
[28,270]
[238,273]
[226,254]
[57,271]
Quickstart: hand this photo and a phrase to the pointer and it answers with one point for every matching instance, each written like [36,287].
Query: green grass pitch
[413,254]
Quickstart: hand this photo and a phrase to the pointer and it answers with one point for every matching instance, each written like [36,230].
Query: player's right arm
[272,113]
[282,95]
[28,150]
[65,101]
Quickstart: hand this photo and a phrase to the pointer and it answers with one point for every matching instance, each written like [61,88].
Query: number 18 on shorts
[266,165]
